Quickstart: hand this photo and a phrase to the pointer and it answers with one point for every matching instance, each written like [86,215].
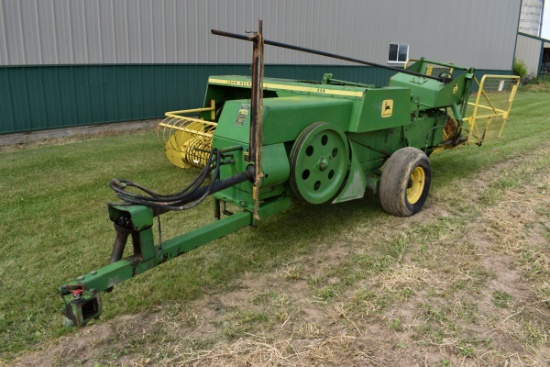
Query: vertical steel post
[256,129]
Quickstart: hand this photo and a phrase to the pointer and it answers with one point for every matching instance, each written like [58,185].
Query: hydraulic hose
[190,196]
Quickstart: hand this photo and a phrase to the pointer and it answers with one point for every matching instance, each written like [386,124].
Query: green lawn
[54,224]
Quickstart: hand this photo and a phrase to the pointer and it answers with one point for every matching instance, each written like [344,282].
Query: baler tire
[405,182]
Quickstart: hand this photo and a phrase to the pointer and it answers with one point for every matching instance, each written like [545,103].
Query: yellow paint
[191,130]
[387,108]
[417,181]
[455,89]
[513,94]
[194,110]
[212,110]
[429,69]
[183,134]
[294,88]
[487,108]
[188,119]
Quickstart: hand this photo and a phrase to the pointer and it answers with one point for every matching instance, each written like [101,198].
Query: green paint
[80,309]
[381,109]
[356,182]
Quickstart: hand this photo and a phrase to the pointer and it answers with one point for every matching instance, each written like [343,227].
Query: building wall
[132,59]
[38,32]
[529,49]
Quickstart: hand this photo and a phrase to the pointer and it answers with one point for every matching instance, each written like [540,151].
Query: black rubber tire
[396,178]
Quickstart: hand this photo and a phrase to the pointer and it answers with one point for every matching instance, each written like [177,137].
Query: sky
[546,21]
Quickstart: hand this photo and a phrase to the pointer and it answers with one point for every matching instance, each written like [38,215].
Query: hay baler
[261,143]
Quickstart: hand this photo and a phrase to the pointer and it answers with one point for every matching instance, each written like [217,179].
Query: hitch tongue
[81,305]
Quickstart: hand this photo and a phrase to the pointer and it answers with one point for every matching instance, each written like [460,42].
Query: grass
[55,227]
[313,288]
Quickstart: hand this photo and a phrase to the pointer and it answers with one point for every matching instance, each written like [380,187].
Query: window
[398,52]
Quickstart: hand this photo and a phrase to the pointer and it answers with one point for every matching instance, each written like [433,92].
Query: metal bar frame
[323,53]
[497,112]
[146,256]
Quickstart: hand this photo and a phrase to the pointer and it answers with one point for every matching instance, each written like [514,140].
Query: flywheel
[319,162]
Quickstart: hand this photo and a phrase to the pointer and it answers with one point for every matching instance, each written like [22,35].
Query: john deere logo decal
[387,108]
[455,88]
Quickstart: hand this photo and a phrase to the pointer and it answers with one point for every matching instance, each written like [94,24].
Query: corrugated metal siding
[37,98]
[65,96]
[468,32]
[529,50]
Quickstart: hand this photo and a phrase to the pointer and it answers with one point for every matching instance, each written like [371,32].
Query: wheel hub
[324,162]
[415,188]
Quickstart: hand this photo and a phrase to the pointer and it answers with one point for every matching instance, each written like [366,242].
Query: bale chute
[493,102]
[485,117]
[188,140]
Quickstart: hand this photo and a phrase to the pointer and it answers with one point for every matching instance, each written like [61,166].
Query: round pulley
[319,162]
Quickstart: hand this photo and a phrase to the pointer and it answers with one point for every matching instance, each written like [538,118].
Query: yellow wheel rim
[416,185]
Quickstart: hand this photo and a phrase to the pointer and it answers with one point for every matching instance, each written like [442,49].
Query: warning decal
[243,112]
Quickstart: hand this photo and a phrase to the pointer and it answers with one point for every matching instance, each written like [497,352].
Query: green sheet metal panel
[19,98]
[51,91]
[7,120]
[46,97]
[291,114]
[382,109]
[82,96]
[66,99]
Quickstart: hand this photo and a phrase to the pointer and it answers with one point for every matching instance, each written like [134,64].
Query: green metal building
[66,63]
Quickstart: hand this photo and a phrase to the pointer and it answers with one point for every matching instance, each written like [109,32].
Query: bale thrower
[261,143]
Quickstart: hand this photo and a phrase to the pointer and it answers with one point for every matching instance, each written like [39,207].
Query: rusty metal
[120,243]
[256,130]
[257,93]
[450,129]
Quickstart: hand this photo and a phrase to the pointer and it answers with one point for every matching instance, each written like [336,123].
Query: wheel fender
[356,183]
[275,165]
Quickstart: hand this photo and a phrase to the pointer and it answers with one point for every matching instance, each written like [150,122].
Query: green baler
[262,143]
[327,141]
